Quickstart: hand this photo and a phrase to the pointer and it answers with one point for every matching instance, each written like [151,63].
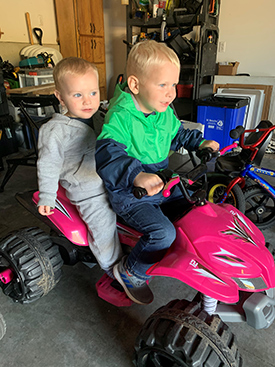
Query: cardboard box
[228,69]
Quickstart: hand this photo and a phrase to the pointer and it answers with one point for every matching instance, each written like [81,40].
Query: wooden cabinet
[81,33]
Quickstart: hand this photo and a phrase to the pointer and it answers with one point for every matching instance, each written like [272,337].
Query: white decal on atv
[242,220]
[238,231]
[229,258]
[209,275]
[61,208]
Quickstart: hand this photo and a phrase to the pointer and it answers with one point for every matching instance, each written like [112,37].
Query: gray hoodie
[67,156]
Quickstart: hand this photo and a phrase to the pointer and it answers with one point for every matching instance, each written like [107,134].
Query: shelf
[199,67]
[183,20]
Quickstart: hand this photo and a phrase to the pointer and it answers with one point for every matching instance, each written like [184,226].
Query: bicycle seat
[253,138]
[237,162]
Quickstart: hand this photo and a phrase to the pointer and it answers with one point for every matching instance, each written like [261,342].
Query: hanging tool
[38,34]
[29,27]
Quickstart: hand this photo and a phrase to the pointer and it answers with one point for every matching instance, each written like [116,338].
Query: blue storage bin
[219,115]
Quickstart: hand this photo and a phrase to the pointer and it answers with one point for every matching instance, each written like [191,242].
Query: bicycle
[257,199]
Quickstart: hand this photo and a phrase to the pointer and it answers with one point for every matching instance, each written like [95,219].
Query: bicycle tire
[259,207]
[216,189]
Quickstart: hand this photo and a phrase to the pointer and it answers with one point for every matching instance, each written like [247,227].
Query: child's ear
[58,96]
[133,84]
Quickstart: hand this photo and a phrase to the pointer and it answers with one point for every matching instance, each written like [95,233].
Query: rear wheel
[259,207]
[35,264]
[180,334]
[216,189]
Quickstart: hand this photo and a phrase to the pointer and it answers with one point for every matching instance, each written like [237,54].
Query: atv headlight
[250,283]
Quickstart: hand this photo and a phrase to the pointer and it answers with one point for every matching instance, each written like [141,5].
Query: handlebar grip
[139,192]
[237,132]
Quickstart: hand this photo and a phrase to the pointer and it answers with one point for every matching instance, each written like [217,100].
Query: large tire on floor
[35,262]
[181,334]
[216,189]
[2,326]
[259,207]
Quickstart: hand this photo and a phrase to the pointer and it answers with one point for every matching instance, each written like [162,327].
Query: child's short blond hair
[71,65]
[147,53]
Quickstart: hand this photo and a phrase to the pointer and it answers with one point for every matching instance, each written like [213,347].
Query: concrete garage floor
[72,327]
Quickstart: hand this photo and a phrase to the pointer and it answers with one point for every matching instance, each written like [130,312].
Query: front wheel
[216,189]
[180,334]
[260,207]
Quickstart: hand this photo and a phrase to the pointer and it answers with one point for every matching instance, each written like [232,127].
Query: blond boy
[139,132]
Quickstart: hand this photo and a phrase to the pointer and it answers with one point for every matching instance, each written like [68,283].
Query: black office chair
[29,156]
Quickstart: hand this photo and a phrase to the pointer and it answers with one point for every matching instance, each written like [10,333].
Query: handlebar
[170,179]
[237,132]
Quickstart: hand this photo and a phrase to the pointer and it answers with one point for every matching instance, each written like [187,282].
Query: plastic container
[185,90]
[219,115]
[33,77]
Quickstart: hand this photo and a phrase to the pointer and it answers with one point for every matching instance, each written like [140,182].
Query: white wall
[13,20]
[248,28]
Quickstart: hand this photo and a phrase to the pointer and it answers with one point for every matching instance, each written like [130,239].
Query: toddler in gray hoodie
[66,156]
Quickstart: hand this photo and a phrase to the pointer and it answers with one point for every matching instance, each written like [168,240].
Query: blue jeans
[158,234]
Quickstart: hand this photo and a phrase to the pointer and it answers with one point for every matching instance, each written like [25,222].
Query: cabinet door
[90,17]
[66,25]
[97,17]
[92,49]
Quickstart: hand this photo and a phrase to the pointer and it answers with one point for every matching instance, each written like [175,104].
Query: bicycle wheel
[260,207]
[216,189]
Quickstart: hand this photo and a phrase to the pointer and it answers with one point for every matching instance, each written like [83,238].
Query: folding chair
[29,156]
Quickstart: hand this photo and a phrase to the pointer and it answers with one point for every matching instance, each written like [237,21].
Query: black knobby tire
[216,189]
[180,334]
[259,207]
[35,262]
[2,326]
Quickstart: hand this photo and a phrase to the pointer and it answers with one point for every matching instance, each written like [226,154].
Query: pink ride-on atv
[224,258]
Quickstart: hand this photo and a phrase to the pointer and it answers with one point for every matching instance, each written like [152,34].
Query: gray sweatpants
[101,222]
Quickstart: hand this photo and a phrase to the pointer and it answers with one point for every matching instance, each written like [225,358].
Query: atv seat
[228,164]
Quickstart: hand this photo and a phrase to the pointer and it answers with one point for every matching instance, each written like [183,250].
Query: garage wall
[248,28]
[15,37]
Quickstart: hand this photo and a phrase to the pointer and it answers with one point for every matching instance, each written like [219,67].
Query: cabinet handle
[92,45]
[92,28]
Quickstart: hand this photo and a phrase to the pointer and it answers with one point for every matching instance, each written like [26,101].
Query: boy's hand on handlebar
[210,144]
[45,210]
[149,181]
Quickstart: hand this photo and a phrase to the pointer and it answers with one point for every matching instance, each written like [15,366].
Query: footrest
[111,291]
